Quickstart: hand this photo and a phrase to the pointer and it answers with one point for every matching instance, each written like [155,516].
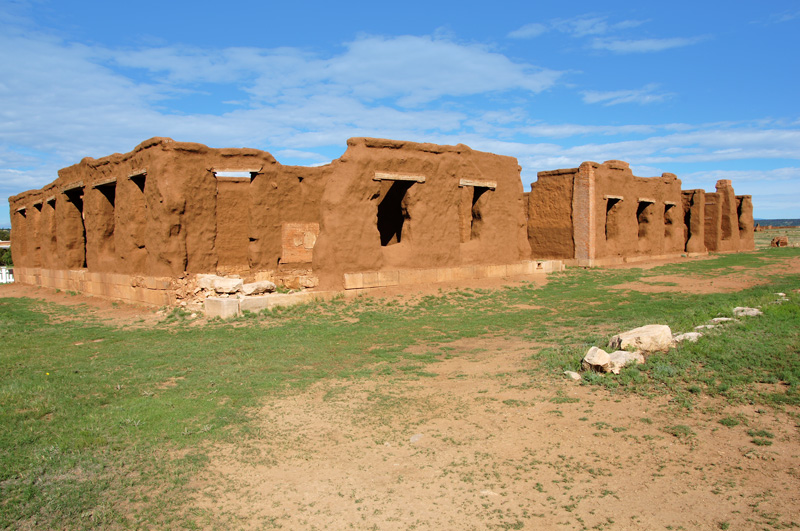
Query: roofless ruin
[145,225]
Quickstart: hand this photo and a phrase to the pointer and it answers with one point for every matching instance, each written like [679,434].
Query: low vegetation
[103,425]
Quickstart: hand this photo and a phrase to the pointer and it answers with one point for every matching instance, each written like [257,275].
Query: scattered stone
[596,359]
[574,375]
[779,241]
[227,285]
[620,358]
[721,319]
[648,338]
[416,437]
[782,294]
[743,311]
[702,327]
[688,336]
[488,493]
[257,288]
[205,281]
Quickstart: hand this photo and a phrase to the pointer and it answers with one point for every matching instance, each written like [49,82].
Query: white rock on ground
[648,338]
[688,336]
[721,319]
[743,311]
[227,285]
[620,358]
[596,359]
[257,288]
[572,374]
[704,327]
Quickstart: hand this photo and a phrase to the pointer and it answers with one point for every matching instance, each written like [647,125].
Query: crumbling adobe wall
[282,195]
[744,210]
[550,229]
[150,212]
[636,216]
[726,224]
[602,212]
[694,203]
[403,205]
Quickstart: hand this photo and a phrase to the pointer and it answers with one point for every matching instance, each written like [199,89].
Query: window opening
[392,213]
[613,208]
[476,217]
[643,213]
[75,196]
[668,219]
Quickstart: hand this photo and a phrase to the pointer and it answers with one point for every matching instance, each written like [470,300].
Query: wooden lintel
[106,182]
[614,197]
[141,172]
[387,176]
[222,172]
[72,186]
[646,200]
[477,183]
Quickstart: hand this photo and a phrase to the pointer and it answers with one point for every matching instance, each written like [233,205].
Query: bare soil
[479,444]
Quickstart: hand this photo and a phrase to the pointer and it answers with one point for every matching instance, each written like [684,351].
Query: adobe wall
[173,209]
[137,225]
[549,205]
[728,225]
[602,213]
[392,205]
[636,216]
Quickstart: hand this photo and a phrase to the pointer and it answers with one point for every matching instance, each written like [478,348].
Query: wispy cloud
[643,45]
[604,34]
[581,26]
[641,96]
[529,31]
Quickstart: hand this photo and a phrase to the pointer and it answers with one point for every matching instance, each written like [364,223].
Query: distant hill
[778,222]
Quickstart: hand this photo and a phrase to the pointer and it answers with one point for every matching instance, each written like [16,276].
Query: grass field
[107,426]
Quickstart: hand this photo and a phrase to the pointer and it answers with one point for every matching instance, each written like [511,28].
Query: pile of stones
[632,346]
[213,285]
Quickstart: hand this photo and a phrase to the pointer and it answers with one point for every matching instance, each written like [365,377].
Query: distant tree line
[5,254]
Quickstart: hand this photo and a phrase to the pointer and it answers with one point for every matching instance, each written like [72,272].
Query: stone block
[353,281]
[227,285]
[220,307]
[515,270]
[388,278]
[256,304]
[447,274]
[371,279]
[496,271]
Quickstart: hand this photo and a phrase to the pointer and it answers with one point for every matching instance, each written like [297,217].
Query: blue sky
[706,90]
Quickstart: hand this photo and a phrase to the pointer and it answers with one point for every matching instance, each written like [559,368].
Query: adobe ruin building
[142,226]
[600,214]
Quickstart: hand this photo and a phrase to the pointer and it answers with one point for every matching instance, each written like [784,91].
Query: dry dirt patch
[735,279]
[480,445]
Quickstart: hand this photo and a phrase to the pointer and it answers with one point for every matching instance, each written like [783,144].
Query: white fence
[6,275]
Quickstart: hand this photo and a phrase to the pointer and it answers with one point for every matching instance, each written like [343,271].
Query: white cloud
[641,96]
[643,45]
[580,26]
[529,31]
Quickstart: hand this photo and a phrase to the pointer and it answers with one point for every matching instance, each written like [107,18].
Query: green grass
[109,433]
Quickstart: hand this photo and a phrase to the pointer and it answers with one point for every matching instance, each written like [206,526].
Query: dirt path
[480,445]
